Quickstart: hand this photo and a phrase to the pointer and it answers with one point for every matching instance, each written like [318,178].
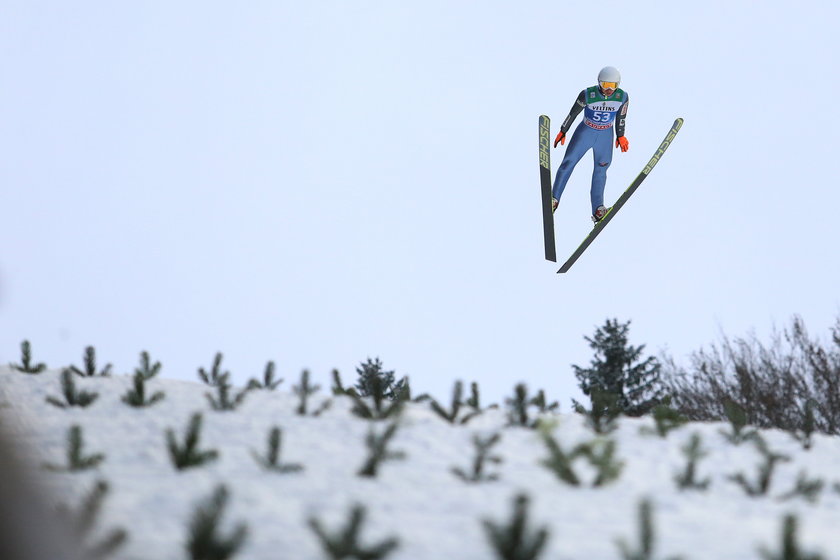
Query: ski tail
[545,187]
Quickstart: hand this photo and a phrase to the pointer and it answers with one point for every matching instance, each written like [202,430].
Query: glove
[561,138]
[621,142]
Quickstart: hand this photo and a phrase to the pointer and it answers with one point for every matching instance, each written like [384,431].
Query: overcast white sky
[318,182]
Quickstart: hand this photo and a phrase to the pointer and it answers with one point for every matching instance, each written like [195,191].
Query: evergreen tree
[27,366]
[647,537]
[147,369]
[76,459]
[272,461]
[790,548]
[517,540]
[215,376]
[618,369]
[189,455]
[345,543]
[304,391]
[204,541]
[268,382]
[765,470]
[72,396]
[137,396]
[379,395]
[338,387]
[483,449]
[90,369]
[371,369]
[83,520]
[378,451]
[687,479]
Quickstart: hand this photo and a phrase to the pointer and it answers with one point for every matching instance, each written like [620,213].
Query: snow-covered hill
[416,499]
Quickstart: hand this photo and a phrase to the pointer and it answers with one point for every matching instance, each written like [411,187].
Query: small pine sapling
[215,376]
[345,543]
[601,455]
[665,418]
[807,488]
[383,406]
[223,401]
[474,401]
[188,455]
[136,397]
[26,365]
[516,540]
[561,462]
[765,470]
[542,405]
[338,388]
[373,369]
[271,461]
[378,451]
[90,369]
[647,537]
[806,433]
[693,451]
[482,457]
[603,417]
[518,408]
[76,459]
[404,393]
[737,417]
[268,382]
[147,370]
[84,519]
[304,391]
[451,416]
[789,545]
[204,541]
[72,397]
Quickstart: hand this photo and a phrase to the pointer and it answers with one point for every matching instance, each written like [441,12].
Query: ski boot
[554,204]
[599,214]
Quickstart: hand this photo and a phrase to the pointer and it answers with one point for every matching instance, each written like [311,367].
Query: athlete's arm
[580,103]
[622,113]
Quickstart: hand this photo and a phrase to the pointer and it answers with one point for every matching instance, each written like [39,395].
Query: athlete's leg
[580,142]
[602,152]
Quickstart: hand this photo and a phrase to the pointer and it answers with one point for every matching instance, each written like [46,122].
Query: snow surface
[434,514]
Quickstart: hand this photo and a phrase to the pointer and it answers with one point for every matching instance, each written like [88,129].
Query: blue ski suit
[595,132]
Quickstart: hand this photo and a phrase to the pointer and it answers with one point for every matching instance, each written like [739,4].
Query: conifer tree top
[617,368]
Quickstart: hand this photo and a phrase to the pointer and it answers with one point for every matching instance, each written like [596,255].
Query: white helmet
[609,74]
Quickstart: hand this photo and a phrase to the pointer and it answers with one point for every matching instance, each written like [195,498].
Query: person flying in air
[603,106]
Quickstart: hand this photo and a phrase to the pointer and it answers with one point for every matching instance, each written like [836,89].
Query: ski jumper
[595,132]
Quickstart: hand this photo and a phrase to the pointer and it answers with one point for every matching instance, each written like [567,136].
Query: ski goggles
[609,85]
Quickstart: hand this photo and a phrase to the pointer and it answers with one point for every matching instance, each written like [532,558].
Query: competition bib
[599,112]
